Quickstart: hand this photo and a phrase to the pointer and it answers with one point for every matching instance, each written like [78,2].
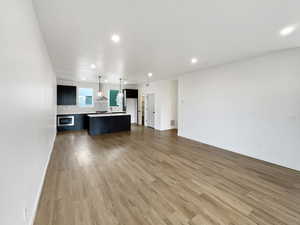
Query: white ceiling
[160,36]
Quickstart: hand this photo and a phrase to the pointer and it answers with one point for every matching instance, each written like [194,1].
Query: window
[86,97]
[113,94]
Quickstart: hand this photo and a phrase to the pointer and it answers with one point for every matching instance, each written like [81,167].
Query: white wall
[251,107]
[28,98]
[165,102]
[97,106]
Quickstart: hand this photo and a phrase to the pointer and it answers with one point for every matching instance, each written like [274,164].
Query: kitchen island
[108,123]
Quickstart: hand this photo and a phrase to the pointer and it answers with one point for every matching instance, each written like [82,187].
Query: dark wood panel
[59,95]
[108,124]
[66,95]
[80,123]
[131,93]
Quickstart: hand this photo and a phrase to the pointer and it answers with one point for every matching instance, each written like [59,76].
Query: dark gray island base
[108,123]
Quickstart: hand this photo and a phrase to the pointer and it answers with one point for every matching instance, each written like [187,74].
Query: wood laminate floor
[146,177]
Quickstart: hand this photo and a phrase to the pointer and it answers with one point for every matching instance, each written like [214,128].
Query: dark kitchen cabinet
[131,93]
[66,95]
[80,122]
[108,124]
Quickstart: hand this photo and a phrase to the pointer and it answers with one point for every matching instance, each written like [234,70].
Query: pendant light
[120,95]
[120,89]
[100,92]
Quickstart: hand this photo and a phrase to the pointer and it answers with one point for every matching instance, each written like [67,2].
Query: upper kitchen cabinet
[131,93]
[66,95]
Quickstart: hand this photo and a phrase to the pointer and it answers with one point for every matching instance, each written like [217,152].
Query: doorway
[143,110]
[150,110]
[131,108]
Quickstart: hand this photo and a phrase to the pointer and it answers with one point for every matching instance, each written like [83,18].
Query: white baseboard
[31,221]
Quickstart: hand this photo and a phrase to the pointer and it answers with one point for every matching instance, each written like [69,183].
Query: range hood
[101,96]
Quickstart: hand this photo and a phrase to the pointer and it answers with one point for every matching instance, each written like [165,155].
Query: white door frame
[150,111]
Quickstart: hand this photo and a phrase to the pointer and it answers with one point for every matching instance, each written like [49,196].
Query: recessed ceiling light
[125,82]
[93,66]
[105,81]
[83,78]
[150,74]
[115,38]
[288,30]
[194,60]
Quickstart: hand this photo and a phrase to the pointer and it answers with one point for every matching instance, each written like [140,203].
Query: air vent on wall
[173,122]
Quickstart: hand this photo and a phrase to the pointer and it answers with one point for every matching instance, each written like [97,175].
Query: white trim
[32,220]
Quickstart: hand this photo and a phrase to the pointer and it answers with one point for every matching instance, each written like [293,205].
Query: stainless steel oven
[63,121]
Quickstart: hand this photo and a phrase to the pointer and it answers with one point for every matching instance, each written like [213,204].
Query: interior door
[151,110]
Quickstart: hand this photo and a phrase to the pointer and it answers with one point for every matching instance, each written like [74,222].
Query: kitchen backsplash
[98,106]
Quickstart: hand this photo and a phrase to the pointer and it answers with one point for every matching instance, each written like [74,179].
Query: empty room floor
[147,177]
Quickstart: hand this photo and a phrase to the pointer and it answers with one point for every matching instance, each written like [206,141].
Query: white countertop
[108,114]
[73,113]
[90,112]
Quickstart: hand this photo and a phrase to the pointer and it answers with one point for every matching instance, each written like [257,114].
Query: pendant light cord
[99,84]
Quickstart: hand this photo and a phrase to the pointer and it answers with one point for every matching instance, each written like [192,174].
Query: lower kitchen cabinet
[80,122]
[109,124]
